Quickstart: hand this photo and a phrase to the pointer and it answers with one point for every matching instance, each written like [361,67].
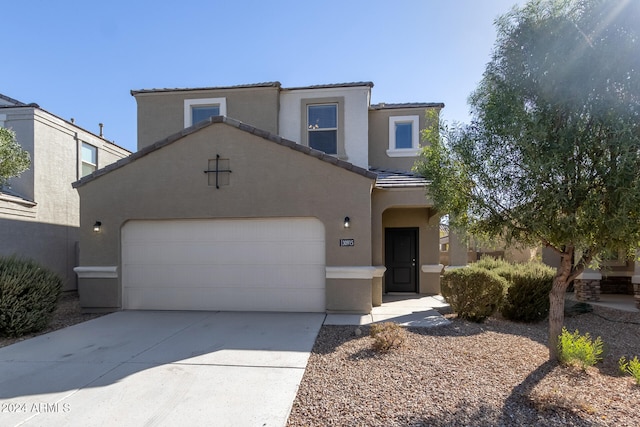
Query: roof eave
[275,84]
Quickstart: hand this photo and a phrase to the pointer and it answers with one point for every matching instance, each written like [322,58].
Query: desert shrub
[387,336]
[490,263]
[631,367]
[527,298]
[579,350]
[473,293]
[28,296]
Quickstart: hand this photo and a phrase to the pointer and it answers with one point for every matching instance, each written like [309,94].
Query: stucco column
[457,250]
[431,269]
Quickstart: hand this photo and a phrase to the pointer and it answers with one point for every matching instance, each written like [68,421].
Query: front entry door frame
[401,259]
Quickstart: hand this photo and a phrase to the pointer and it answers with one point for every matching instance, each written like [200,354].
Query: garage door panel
[227,299]
[287,229]
[239,253]
[234,254]
[264,264]
[163,276]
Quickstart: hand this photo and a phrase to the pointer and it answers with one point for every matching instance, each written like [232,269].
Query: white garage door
[246,265]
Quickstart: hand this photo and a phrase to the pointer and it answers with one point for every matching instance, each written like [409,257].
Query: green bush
[474,293]
[387,336]
[28,296]
[631,367]
[490,263]
[527,298]
[579,350]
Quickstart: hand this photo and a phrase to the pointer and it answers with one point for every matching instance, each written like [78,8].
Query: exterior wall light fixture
[347,222]
[97,227]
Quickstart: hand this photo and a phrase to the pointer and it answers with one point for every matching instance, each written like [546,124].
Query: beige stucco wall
[162,113]
[48,231]
[267,180]
[354,117]
[379,137]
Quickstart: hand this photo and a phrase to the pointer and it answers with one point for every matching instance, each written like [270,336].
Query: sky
[81,59]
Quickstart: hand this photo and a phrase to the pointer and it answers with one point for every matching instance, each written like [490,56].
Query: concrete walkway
[615,301]
[413,310]
[159,368]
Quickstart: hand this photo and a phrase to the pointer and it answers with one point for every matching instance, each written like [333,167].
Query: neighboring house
[286,199]
[40,211]
[618,274]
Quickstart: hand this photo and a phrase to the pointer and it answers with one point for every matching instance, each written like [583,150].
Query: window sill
[406,152]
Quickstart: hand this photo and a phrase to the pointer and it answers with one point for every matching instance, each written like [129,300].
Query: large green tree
[13,159]
[552,154]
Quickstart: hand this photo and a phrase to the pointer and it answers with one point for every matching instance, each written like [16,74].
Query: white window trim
[415,136]
[188,103]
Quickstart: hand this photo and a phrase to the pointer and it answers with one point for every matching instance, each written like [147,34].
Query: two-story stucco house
[40,211]
[260,197]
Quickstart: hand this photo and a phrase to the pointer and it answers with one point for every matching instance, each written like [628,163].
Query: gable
[269,178]
[273,139]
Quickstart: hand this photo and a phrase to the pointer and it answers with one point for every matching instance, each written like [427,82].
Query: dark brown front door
[401,253]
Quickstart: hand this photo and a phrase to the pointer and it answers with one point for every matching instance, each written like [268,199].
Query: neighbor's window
[197,110]
[89,158]
[403,136]
[322,125]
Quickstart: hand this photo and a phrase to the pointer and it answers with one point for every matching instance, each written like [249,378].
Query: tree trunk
[556,303]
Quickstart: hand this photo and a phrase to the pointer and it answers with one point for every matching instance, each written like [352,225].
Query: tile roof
[398,179]
[388,106]
[67,122]
[9,195]
[253,85]
[245,86]
[330,86]
[230,122]
[13,102]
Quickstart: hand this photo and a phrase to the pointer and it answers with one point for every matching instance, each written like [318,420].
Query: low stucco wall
[52,246]
[99,294]
[349,295]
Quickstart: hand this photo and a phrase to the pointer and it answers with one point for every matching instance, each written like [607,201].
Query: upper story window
[199,114]
[89,159]
[322,125]
[404,138]
[196,110]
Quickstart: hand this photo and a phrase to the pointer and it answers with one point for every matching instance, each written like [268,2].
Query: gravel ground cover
[466,374]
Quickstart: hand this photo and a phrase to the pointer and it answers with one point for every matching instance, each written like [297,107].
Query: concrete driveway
[159,368]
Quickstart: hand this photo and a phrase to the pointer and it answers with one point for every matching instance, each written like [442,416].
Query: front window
[199,114]
[403,136]
[89,159]
[322,125]
[197,110]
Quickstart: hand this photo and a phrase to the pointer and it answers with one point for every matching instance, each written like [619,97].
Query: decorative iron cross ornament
[217,169]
